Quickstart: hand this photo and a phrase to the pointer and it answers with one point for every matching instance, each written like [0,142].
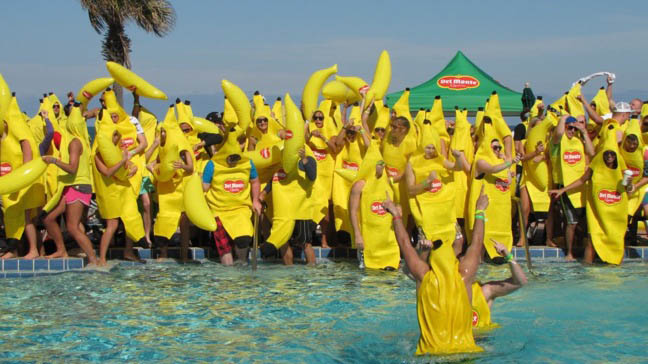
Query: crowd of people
[441,193]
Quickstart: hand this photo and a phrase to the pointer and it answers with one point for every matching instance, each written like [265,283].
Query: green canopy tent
[461,83]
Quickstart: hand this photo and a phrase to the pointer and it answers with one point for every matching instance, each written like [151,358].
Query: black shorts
[303,233]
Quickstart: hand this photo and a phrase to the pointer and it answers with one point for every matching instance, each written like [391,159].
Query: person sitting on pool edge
[445,286]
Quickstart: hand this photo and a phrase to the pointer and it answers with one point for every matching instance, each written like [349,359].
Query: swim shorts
[147,186]
[572,215]
[75,193]
[222,239]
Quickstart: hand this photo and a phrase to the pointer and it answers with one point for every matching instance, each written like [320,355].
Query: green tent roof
[461,83]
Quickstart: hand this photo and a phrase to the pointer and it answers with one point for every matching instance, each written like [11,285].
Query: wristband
[397,218]
[509,257]
[480,217]
[507,164]
[479,212]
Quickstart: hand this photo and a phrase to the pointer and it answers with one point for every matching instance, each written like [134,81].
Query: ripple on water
[331,313]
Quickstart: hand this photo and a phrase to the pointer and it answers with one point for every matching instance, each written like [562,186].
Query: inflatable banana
[239,102]
[382,78]
[110,153]
[294,136]
[133,82]
[312,89]
[22,176]
[196,206]
[339,92]
[92,88]
[355,84]
[205,126]
[607,204]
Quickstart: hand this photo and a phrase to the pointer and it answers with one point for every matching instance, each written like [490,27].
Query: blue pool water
[332,313]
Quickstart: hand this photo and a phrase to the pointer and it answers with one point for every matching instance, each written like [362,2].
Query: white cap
[622,107]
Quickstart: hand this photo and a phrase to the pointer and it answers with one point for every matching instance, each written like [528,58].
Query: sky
[273,46]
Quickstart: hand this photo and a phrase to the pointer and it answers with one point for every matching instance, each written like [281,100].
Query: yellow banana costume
[497,188]
[170,191]
[25,188]
[570,166]
[185,115]
[434,210]
[116,198]
[634,162]
[462,141]
[401,107]
[75,128]
[291,189]
[229,196]
[481,313]
[396,157]
[536,174]
[380,249]
[575,106]
[348,158]
[442,307]
[266,154]
[312,89]
[325,161]
[602,103]
[5,100]
[607,204]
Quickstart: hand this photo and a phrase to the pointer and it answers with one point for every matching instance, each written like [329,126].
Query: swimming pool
[332,313]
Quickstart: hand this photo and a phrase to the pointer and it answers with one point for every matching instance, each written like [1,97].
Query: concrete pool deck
[15,268]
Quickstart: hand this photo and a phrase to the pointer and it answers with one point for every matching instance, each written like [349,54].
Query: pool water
[333,313]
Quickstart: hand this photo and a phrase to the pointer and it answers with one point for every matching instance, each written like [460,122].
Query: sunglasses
[318,118]
[186,130]
[57,106]
[572,128]
[497,148]
[264,120]
[351,132]
[379,130]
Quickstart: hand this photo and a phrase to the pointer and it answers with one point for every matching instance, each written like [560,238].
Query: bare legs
[146,217]
[73,215]
[109,233]
[569,239]
[30,232]
[54,231]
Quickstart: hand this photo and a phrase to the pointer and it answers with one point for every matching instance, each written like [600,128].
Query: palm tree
[111,16]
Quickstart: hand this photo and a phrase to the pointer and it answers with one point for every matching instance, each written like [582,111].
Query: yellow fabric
[602,102]
[572,166]
[325,162]
[401,107]
[434,209]
[442,307]
[229,197]
[381,249]
[292,200]
[634,162]
[76,129]
[575,106]
[395,161]
[536,174]
[497,188]
[607,205]
[462,141]
[481,313]
[349,158]
[115,198]
[170,191]
[11,157]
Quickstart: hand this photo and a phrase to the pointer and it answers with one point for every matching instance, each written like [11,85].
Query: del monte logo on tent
[458,82]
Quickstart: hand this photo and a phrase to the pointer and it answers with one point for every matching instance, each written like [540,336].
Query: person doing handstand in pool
[445,286]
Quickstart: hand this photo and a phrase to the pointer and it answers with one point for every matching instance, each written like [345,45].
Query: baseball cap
[622,107]
[570,120]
